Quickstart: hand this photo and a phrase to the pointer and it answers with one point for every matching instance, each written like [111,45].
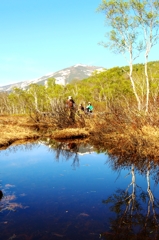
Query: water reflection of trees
[136,210]
[23,146]
[131,218]
[67,149]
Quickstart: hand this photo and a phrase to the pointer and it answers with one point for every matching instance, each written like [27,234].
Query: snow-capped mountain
[63,77]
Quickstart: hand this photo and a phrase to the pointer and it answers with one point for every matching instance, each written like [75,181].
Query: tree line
[107,90]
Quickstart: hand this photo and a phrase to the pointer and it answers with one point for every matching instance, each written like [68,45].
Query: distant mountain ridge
[63,77]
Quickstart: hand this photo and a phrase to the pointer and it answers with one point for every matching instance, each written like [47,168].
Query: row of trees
[105,90]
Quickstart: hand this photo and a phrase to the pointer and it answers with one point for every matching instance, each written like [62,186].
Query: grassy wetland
[116,125]
[137,139]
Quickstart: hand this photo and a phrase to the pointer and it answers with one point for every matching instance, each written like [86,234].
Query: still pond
[68,191]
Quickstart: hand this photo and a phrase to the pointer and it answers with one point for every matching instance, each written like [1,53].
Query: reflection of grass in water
[6,201]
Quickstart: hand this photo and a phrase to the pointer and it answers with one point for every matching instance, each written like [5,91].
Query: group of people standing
[88,109]
[81,109]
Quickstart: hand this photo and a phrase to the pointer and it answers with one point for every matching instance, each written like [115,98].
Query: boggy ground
[118,138]
[15,128]
[20,129]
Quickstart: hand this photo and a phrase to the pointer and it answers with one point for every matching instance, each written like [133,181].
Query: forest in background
[108,91]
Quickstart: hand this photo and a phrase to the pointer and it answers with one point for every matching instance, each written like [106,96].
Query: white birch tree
[132,30]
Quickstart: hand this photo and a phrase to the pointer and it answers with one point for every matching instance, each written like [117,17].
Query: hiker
[81,107]
[89,108]
[71,107]
[70,102]
[81,110]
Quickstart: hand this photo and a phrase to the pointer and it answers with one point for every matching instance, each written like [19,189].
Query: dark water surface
[61,194]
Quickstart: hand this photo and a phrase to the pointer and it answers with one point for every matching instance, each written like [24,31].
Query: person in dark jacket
[71,106]
[70,102]
[81,110]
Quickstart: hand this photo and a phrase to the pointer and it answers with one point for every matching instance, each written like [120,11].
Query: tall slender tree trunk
[147,84]
[132,81]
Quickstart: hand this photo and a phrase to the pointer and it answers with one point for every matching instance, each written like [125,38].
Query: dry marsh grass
[12,133]
[71,133]
[127,140]
[18,128]
[105,132]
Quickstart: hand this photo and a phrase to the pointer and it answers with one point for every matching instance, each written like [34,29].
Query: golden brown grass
[13,129]
[117,138]
[71,133]
[134,144]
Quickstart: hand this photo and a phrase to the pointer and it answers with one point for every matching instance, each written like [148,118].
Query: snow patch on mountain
[80,65]
[60,80]
[64,72]
[88,72]
[62,77]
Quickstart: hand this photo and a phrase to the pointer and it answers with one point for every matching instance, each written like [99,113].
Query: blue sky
[39,37]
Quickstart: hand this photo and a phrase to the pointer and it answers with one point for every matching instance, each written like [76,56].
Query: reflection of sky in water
[59,199]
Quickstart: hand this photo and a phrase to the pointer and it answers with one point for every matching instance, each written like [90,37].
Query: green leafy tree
[133,28]
[53,91]
[17,99]
[36,94]
[4,103]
